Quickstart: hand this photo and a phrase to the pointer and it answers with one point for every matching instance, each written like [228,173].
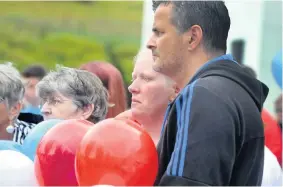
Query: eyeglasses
[53,102]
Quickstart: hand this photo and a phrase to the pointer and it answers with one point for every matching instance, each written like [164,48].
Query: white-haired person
[69,93]
[11,100]
[151,93]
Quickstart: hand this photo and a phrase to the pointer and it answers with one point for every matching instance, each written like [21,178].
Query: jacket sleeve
[204,150]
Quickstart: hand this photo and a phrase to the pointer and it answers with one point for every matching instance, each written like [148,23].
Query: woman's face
[60,107]
[150,90]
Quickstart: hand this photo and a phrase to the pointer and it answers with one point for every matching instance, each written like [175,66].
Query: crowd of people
[202,109]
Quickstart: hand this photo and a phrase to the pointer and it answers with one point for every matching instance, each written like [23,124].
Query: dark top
[213,133]
[30,118]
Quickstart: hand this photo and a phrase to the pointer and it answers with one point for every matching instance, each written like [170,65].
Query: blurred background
[74,33]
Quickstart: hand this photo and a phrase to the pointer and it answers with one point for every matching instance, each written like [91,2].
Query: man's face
[30,93]
[167,45]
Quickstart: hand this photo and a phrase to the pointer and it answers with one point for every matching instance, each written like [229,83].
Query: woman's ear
[87,111]
[14,112]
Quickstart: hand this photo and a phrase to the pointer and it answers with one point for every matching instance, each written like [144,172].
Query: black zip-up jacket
[213,134]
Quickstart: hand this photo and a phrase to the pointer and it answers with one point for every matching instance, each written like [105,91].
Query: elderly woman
[72,94]
[11,100]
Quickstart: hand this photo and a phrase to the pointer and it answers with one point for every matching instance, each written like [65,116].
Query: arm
[204,151]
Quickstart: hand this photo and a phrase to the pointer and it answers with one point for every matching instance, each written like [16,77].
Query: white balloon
[16,169]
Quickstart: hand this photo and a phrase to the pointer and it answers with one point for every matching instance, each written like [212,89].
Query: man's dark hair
[36,71]
[211,16]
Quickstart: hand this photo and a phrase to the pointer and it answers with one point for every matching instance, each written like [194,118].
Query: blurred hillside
[70,33]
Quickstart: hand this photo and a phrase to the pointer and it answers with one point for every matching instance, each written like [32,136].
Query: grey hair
[83,87]
[11,86]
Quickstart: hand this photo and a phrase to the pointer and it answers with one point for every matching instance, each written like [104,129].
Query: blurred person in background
[11,100]
[272,127]
[278,110]
[31,76]
[151,93]
[69,93]
[273,132]
[272,174]
[113,81]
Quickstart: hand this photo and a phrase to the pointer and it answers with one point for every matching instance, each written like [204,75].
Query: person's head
[278,109]
[185,31]
[11,95]
[113,81]
[151,91]
[31,76]
[69,93]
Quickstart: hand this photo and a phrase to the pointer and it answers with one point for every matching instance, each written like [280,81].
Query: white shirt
[272,172]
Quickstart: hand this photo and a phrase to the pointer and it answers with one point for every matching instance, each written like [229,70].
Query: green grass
[70,33]
[77,11]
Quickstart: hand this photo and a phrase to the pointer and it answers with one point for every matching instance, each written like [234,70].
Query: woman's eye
[147,79]
[56,101]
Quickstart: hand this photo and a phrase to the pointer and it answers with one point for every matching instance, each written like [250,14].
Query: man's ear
[193,37]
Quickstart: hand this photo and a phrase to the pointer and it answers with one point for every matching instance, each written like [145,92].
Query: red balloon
[267,118]
[116,152]
[273,135]
[55,157]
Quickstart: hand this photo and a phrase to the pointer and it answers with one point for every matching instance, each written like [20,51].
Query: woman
[151,93]
[12,92]
[113,82]
[72,94]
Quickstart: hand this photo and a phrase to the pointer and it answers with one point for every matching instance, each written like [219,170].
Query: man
[31,111]
[11,97]
[31,76]
[213,133]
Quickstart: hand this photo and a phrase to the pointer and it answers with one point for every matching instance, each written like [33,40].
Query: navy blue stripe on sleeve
[172,166]
[186,129]
[178,139]
[183,105]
